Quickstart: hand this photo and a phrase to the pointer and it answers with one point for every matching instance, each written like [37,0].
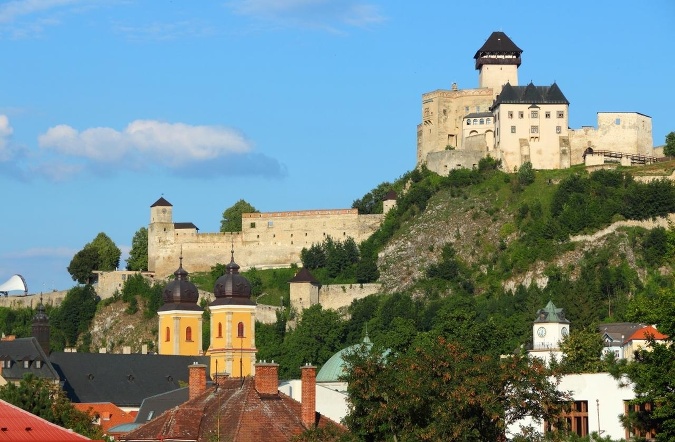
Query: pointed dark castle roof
[530,94]
[304,275]
[495,48]
[162,202]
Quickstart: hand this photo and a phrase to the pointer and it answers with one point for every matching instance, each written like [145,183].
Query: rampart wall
[336,296]
[444,161]
[267,240]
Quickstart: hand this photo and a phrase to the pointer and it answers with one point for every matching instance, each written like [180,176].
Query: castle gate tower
[497,63]
[180,318]
[232,325]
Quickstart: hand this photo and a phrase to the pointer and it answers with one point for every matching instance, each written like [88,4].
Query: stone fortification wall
[32,301]
[267,314]
[626,132]
[445,161]
[336,296]
[267,240]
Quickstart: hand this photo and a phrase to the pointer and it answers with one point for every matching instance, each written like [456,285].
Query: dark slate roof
[234,410]
[162,202]
[530,94]
[154,406]
[184,226]
[304,275]
[391,195]
[124,380]
[498,43]
[619,331]
[25,349]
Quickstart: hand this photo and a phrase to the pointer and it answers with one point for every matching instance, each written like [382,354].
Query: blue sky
[106,105]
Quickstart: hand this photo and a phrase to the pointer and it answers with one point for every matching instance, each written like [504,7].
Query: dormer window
[26,364]
[38,364]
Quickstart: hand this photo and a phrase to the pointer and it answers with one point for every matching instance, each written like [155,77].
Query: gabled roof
[124,380]
[551,313]
[20,425]
[154,406]
[498,43]
[530,94]
[646,333]
[25,349]
[179,226]
[619,331]
[304,275]
[109,414]
[236,411]
[162,202]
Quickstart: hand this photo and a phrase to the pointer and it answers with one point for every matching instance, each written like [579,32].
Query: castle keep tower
[180,318]
[497,63]
[160,231]
[232,324]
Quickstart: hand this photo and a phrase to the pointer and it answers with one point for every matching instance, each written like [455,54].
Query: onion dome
[40,316]
[232,288]
[180,294]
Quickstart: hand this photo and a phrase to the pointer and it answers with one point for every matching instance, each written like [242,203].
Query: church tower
[232,325]
[497,62]
[180,318]
[548,329]
[40,329]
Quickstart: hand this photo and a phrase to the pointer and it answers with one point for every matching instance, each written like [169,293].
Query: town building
[20,426]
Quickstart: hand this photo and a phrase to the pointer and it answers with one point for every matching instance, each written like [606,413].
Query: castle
[518,124]
[267,240]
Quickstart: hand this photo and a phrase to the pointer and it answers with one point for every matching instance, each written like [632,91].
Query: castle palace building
[517,124]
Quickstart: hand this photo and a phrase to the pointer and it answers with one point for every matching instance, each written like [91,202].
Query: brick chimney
[197,381]
[267,378]
[308,398]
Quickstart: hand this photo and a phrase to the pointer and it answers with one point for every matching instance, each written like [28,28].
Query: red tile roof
[235,412]
[109,414]
[19,425]
[644,333]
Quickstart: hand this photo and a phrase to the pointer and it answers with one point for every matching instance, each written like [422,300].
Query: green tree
[46,400]
[583,351]
[669,148]
[108,253]
[231,221]
[151,294]
[371,202]
[83,264]
[526,174]
[138,255]
[73,316]
[406,398]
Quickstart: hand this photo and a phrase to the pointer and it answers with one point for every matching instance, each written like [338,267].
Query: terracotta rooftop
[233,411]
[645,333]
[108,414]
[19,425]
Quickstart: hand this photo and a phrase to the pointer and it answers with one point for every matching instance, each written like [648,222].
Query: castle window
[534,129]
[188,334]
[477,108]
[558,129]
[240,330]
[534,114]
[521,114]
[488,121]
[253,225]
[220,330]
[513,129]
[482,121]
[475,121]
[270,223]
[468,121]
[547,114]
[560,114]
[617,121]
[167,334]
[466,108]
[510,114]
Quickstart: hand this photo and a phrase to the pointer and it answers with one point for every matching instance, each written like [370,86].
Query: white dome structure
[16,282]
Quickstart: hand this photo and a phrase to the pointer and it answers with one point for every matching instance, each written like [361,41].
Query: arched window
[220,330]
[240,330]
[482,121]
[188,334]
[468,121]
[167,334]
[475,121]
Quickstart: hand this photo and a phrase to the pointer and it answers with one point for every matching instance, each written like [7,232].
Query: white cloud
[5,132]
[167,143]
[324,14]
[13,10]
[158,31]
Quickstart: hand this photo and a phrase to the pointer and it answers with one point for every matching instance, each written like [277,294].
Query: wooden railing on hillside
[634,158]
